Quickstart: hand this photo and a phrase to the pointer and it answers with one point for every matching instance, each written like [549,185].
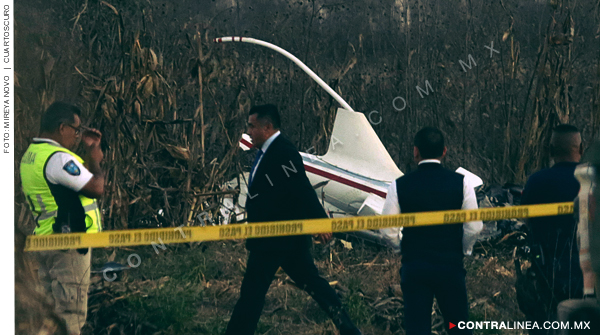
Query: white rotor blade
[293,58]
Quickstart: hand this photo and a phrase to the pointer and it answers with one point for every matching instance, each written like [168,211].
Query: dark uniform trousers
[299,265]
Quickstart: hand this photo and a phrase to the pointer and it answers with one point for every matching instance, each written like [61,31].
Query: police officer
[61,189]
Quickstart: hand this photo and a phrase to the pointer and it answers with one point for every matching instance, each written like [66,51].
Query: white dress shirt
[470,229]
[264,148]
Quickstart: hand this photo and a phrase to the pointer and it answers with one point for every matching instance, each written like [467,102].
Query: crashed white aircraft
[352,178]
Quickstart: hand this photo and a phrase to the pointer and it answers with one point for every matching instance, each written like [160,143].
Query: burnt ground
[192,288]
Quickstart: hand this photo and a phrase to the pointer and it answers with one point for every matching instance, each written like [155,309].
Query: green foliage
[170,307]
[190,264]
[357,308]
[214,326]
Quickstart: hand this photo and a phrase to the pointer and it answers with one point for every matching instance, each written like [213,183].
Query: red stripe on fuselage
[344,181]
[333,177]
[246,143]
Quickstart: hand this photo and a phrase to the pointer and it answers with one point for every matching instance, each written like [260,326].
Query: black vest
[431,188]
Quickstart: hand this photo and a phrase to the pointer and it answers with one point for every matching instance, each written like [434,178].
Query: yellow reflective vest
[53,215]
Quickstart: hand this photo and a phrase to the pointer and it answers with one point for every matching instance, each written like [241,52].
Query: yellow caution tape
[160,236]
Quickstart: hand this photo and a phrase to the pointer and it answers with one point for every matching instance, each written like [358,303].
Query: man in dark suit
[432,256]
[279,190]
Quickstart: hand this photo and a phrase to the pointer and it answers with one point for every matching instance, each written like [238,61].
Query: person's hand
[91,141]
[91,138]
[324,238]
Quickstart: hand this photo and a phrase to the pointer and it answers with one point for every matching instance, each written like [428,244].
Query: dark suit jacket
[279,191]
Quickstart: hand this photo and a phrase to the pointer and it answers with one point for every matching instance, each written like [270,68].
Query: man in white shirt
[432,256]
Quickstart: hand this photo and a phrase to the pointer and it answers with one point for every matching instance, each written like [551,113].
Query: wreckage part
[293,59]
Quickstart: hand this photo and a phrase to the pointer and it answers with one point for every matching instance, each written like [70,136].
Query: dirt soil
[192,288]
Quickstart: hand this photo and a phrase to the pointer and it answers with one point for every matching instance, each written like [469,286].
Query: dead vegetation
[172,106]
[35,314]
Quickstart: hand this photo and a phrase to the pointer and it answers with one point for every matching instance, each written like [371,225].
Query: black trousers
[299,265]
[551,289]
[420,282]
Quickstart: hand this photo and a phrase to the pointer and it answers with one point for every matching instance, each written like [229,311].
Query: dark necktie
[256,159]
